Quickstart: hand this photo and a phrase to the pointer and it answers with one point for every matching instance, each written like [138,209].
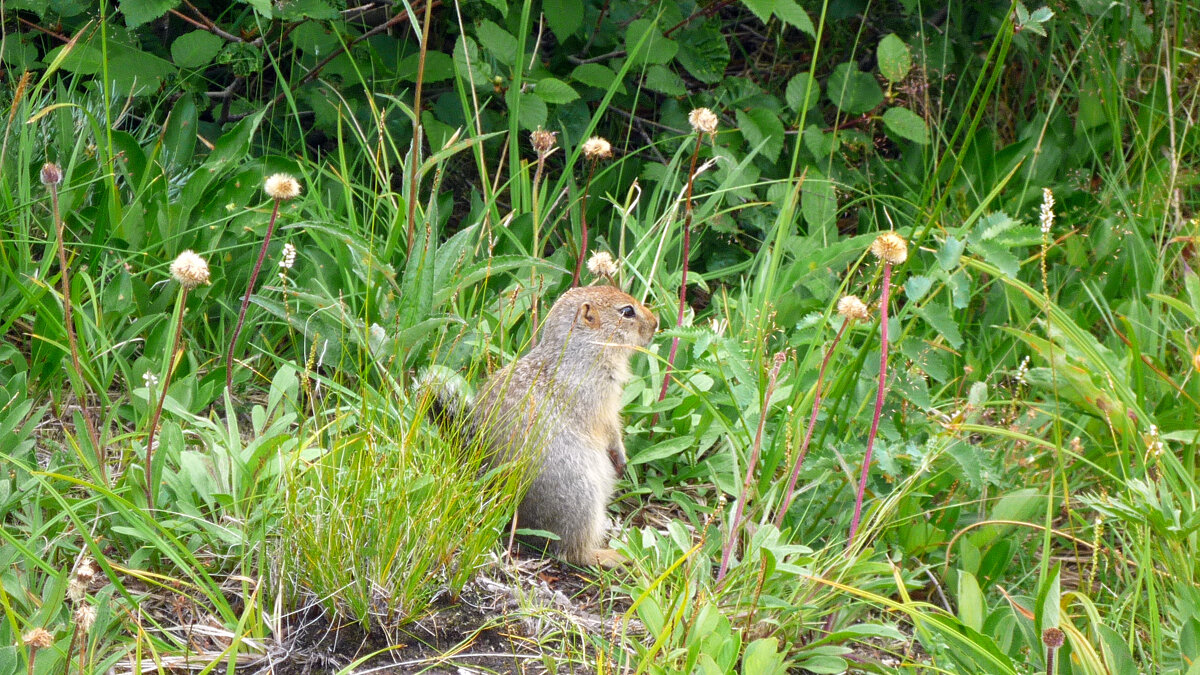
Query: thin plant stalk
[789,493]
[237,329]
[883,355]
[175,353]
[583,244]
[736,526]
[416,139]
[72,342]
[687,246]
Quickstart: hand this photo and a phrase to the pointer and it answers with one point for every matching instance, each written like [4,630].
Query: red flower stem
[262,252]
[583,224]
[687,248]
[789,494]
[883,354]
[735,527]
[162,397]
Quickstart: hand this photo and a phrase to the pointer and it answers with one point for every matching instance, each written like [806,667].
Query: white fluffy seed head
[281,186]
[597,148]
[189,270]
[851,308]
[601,264]
[890,248]
[703,121]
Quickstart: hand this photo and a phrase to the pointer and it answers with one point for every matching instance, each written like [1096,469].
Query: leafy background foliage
[1035,466]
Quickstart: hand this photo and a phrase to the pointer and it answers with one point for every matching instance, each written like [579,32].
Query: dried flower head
[890,248]
[1046,214]
[543,141]
[851,308]
[85,617]
[38,638]
[51,174]
[596,148]
[189,270]
[1053,638]
[703,121]
[601,264]
[282,186]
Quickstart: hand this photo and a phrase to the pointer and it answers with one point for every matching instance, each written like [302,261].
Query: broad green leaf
[762,657]
[498,42]
[662,79]
[551,90]
[654,48]
[138,12]
[299,10]
[894,58]
[803,92]
[763,130]
[596,75]
[531,112]
[195,49]
[907,125]
[564,16]
[852,90]
[438,67]
[950,253]
[791,13]
[818,203]
[703,51]
[314,38]
[763,9]
[939,319]
[179,135]
[471,67]
[971,606]
[819,143]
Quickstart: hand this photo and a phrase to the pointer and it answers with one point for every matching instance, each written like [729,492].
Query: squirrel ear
[591,318]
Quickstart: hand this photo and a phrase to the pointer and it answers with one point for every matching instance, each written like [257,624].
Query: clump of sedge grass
[891,249]
[190,270]
[280,187]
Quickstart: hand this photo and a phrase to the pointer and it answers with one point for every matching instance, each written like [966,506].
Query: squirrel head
[601,316]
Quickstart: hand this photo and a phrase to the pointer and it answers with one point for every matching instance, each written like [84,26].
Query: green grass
[1035,464]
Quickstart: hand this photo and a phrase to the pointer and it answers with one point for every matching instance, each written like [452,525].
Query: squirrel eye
[627,312]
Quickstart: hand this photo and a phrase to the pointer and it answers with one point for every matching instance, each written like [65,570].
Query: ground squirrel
[558,407]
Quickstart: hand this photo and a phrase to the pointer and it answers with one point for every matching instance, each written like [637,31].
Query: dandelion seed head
[890,248]
[281,186]
[851,308]
[703,121]
[602,264]
[596,148]
[542,141]
[189,269]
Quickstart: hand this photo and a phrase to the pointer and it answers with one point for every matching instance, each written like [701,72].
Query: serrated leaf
[138,12]
[950,253]
[894,58]
[763,9]
[645,43]
[803,92]
[471,68]
[917,286]
[663,79]
[939,319]
[497,42]
[763,130]
[998,256]
[195,49]
[1041,15]
[703,52]
[819,143]
[791,13]
[438,67]
[907,125]
[564,16]
[551,90]
[852,90]
[532,111]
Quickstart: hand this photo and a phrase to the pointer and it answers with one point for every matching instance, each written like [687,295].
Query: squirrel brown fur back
[558,407]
